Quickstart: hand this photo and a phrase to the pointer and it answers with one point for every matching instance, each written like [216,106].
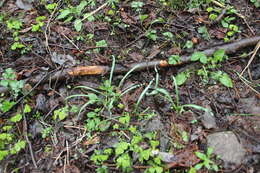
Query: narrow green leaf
[78,25]
[64,14]
[226,80]
[181,78]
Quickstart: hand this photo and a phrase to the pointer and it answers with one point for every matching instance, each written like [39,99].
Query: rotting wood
[102,70]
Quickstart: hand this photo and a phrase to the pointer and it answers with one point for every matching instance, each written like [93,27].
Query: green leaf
[81,6]
[203,60]
[6,105]
[18,147]
[198,166]
[4,83]
[224,24]
[35,28]
[3,154]
[144,155]
[78,24]
[154,144]
[213,16]
[209,151]
[51,7]
[121,147]
[188,44]
[18,117]
[219,55]
[198,56]
[192,170]
[201,155]
[143,17]
[136,139]
[27,109]
[181,78]
[101,43]
[64,14]
[124,119]
[124,162]
[215,167]
[174,59]
[6,137]
[61,113]
[158,169]
[89,17]
[169,35]
[226,80]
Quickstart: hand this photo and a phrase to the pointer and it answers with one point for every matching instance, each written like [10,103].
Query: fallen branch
[101,70]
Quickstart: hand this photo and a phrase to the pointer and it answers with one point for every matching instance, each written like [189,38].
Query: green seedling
[74,13]
[10,143]
[51,7]
[137,5]
[206,160]
[14,24]
[152,35]
[227,21]
[174,59]
[211,63]
[9,81]
[39,23]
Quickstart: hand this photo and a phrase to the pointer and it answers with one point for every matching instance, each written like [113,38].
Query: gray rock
[227,147]
[36,128]
[208,120]
[24,4]
[155,124]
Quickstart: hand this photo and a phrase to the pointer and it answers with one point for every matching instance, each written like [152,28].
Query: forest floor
[150,86]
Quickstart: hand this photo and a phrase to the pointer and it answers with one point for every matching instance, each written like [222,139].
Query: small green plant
[137,5]
[188,44]
[204,32]
[76,13]
[227,20]
[51,7]
[39,23]
[9,81]
[46,132]
[210,63]
[6,105]
[199,56]
[206,160]
[14,24]
[174,59]
[223,78]
[61,113]
[152,35]
[122,153]
[182,77]
[10,143]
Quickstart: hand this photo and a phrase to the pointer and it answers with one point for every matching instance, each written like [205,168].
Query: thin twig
[70,41]
[95,11]
[252,57]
